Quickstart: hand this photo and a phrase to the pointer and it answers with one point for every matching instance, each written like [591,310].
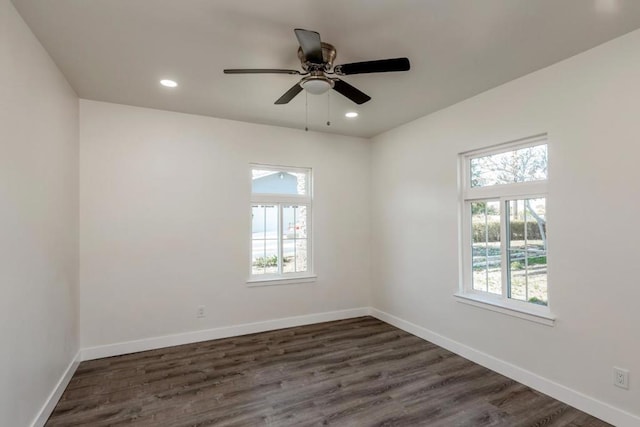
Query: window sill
[537,314]
[281,281]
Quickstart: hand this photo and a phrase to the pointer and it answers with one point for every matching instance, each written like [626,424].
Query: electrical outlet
[200,312]
[621,377]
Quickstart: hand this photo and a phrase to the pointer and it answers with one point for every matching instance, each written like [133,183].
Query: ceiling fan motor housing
[328,56]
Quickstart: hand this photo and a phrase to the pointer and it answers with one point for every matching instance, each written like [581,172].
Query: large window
[281,223]
[504,225]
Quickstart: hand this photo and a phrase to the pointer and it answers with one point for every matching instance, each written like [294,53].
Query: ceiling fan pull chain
[306,111]
[328,109]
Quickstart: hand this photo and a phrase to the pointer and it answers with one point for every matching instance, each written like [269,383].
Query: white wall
[590,106]
[164,197]
[38,222]
[165,222]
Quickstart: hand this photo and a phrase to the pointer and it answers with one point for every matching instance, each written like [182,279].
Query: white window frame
[281,200]
[502,193]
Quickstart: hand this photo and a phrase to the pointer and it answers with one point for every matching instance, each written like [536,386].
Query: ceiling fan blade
[260,71]
[379,66]
[310,44]
[289,95]
[350,92]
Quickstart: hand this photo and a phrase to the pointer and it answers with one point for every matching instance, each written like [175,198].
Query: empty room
[300,213]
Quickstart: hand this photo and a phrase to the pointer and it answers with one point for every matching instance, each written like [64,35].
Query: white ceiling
[118,50]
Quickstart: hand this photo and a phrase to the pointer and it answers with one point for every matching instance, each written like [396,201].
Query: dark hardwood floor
[356,372]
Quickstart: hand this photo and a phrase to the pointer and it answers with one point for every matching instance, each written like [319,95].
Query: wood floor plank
[354,372]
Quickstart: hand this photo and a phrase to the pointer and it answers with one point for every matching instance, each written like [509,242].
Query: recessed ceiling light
[351,114]
[168,83]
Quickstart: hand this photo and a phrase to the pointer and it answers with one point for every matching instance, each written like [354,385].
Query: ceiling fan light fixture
[316,85]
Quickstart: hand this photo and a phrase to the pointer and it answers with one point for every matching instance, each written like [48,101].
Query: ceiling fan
[316,58]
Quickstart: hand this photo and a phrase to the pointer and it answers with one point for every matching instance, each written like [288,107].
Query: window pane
[294,242]
[485,250]
[279,182]
[521,165]
[527,250]
[264,232]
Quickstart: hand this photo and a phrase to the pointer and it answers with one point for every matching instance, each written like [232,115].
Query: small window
[520,165]
[266,181]
[280,223]
[504,225]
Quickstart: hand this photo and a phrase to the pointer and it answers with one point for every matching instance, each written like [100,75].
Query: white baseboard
[217,333]
[55,395]
[587,404]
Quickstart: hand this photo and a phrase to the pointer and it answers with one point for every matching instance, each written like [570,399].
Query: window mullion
[486,244]
[279,238]
[279,198]
[466,267]
[504,216]
[264,240]
[526,252]
[515,190]
[470,246]
[295,238]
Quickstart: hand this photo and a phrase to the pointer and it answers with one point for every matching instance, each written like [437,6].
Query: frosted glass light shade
[316,86]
